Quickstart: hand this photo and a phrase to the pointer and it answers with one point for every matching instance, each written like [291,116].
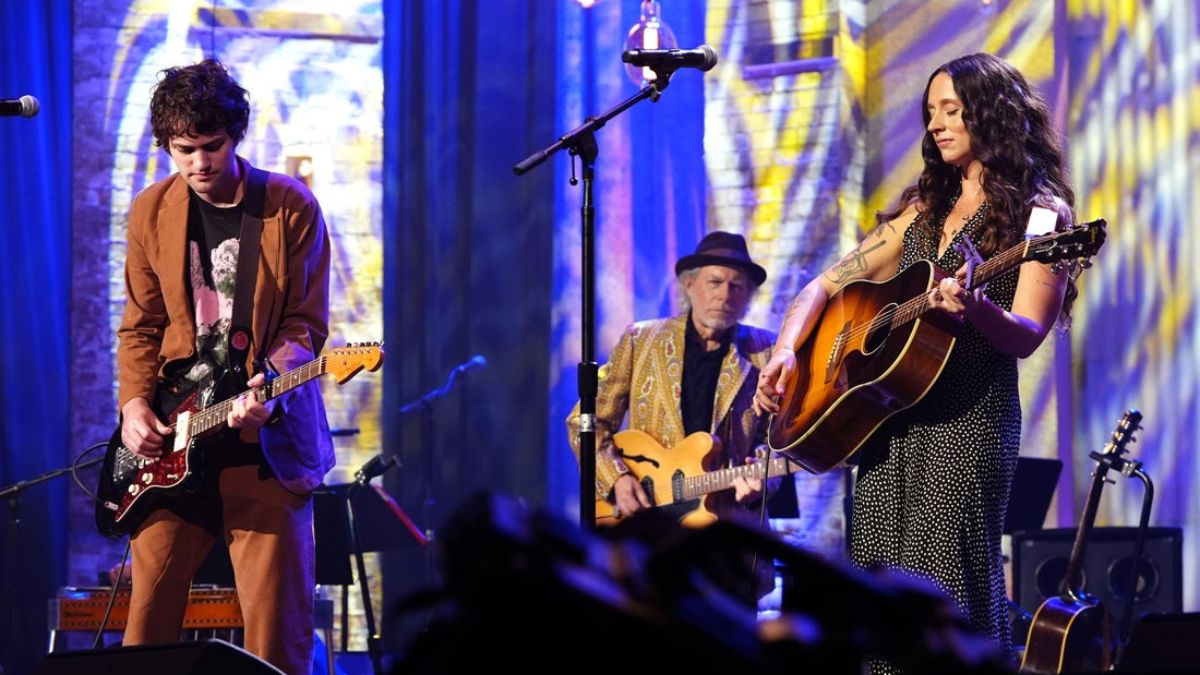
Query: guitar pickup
[182,433]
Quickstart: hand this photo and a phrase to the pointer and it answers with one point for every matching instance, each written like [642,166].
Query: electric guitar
[1070,632]
[877,349]
[679,481]
[131,486]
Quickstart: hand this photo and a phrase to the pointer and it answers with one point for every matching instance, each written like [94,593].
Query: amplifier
[82,608]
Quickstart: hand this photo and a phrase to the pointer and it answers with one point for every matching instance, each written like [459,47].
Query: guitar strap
[725,436]
[249,245]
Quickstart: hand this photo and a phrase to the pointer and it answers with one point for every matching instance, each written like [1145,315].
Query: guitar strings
[213,415]
[694,486]
[918,305]
[915,307]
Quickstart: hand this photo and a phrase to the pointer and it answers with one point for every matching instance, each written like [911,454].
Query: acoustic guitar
[680,481]
[130,485]
[1070,632]
[878,349]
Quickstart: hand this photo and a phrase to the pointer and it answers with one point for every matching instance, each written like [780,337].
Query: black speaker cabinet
[186,658]
[1040,560]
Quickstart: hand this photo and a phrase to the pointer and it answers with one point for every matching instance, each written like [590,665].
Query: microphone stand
[581,142]
[362,478]
[11,494]
[424,404]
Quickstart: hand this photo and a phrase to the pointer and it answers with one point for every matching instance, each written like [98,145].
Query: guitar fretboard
[214,416]
[696,486]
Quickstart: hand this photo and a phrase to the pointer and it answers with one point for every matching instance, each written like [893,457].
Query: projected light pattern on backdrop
[315,111]
[316,87]
[1135,155]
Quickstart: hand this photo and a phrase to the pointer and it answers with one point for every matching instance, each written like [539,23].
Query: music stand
[334,526]
[1033,487]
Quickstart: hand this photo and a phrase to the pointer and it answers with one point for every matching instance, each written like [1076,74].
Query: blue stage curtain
[35,200]
[469,90]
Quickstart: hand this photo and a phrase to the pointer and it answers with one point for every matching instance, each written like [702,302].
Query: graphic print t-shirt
[213,233]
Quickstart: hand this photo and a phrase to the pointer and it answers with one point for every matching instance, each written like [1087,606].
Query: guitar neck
[213,417]
[984,272]
[1072,582]
[722,479]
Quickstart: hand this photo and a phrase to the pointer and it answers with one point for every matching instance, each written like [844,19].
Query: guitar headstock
[1123,434]
[346,362]
[1080,242]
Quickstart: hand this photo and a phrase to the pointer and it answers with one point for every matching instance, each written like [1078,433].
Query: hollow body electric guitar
[681,481]
[878,349]
[131,486]
[1070,632]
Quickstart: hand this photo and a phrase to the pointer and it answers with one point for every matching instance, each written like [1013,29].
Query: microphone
[426,401]
[476,361]
[26,106]
[376,466]
[670,60]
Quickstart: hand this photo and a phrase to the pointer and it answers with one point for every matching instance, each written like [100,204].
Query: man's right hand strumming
[773,380]
[141,431]
[630,496]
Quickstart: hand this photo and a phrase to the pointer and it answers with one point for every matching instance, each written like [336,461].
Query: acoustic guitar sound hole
[881,328]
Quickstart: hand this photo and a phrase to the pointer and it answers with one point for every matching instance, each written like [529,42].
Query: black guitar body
[130,487]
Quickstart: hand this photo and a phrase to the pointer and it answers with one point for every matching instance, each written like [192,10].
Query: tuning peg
[1086,263]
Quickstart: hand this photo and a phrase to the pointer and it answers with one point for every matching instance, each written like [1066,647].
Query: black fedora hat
[722,248]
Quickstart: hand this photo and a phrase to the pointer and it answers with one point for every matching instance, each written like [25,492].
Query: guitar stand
[1129,467]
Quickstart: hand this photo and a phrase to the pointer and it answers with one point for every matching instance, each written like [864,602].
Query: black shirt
[701,369]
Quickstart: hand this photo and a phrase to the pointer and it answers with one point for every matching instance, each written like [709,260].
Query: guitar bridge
[835,354]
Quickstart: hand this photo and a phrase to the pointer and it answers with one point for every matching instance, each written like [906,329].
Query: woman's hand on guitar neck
[247,412]
[141,431]
[773,379]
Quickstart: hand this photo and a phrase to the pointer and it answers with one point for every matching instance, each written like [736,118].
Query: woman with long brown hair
[933,482]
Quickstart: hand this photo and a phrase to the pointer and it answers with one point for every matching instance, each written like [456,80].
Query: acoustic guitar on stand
[878,349]
[683,480]
[1070,632]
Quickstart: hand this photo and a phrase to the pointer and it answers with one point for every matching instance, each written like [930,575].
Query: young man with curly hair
[180,273]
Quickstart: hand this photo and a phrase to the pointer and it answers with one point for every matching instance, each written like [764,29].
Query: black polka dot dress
[933,484]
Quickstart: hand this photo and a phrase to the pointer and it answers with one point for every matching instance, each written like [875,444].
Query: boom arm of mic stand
[592,124]
[426,401]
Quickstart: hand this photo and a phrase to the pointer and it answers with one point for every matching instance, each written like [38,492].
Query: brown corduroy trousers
[269,534]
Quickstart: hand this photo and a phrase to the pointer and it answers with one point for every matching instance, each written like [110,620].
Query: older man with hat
[693,372]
